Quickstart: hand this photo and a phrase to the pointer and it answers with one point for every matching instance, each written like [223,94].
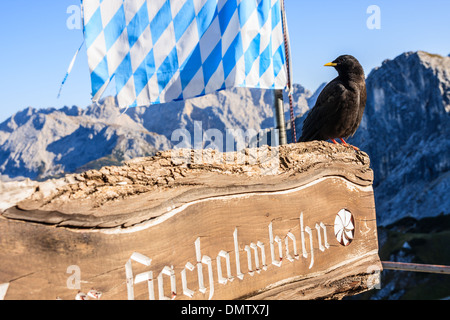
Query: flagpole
[279,116]
[288,70]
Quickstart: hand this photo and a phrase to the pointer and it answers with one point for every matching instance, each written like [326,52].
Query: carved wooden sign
[295,235]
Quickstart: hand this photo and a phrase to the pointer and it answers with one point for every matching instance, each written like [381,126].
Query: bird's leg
[343,141]
[348,145]
[334,141]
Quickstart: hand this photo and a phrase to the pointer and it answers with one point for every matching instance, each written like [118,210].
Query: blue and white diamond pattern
[165,50]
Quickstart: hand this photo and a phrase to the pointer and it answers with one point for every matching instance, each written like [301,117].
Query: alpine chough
[340,106]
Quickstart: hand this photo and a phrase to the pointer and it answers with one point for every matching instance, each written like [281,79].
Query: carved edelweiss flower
[344,227]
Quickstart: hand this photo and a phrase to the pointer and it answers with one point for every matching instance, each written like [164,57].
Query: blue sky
[37,45]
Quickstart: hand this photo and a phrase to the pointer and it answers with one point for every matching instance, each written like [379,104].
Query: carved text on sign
[256,258]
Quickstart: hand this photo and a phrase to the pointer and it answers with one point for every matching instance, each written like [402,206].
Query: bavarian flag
[158,51]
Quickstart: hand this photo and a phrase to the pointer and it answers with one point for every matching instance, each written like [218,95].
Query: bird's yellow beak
[330,64]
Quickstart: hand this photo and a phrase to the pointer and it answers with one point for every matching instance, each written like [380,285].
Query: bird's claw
[346,144]
[350,146]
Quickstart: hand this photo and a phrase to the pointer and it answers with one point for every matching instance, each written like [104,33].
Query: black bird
[340,106]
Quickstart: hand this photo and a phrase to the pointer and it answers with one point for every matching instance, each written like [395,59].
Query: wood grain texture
[176,213]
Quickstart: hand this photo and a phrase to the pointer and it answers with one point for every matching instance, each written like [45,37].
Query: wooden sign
[154,229]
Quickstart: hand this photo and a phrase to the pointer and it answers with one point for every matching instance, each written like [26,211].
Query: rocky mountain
[405,130]
[40,144]
[237,108]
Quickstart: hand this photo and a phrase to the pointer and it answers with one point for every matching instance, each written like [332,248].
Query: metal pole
[416,267]
[279,115]
[288,70]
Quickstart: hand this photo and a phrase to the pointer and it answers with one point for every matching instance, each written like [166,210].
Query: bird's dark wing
[361,107]
[326,107]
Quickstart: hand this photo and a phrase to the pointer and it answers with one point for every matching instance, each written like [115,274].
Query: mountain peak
[104,109]
[413,57]
[428,55]
[404,131]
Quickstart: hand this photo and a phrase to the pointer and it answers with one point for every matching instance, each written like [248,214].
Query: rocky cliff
[405,130]
[40,144]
